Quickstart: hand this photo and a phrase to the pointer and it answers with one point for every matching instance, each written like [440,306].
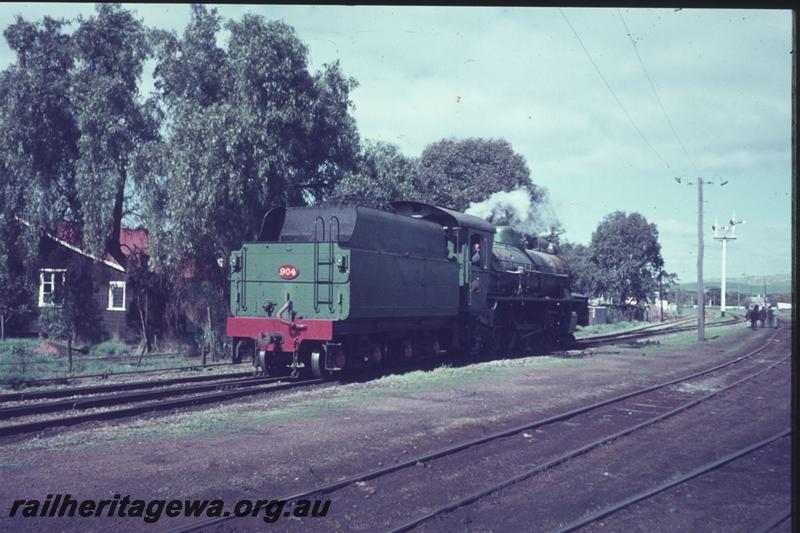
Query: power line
[655,92]
[612,91]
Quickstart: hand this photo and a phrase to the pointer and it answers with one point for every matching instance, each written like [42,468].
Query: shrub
[109,348]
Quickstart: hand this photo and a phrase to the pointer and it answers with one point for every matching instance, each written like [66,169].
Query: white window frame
[51,273]
[111,286]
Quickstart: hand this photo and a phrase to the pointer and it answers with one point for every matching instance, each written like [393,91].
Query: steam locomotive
[347,287]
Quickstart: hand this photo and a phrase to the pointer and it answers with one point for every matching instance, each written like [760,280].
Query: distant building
[598,314]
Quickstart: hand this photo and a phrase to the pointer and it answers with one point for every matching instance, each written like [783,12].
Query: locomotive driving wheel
[503,340]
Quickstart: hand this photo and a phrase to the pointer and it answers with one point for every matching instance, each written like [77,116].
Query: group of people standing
[765,315]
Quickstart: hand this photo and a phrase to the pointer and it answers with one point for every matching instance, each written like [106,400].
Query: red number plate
[288,271]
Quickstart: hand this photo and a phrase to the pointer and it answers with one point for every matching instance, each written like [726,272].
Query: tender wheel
[407,350]
[376,355]
[317,359]
[260,366]
[240,348]
[318,364]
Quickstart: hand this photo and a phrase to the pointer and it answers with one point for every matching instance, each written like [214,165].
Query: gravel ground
[265,447]
[736,498]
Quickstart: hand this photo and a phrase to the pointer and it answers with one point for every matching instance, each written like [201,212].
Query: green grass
[608,328]
[19,362]
[715,337]
[7,346]
[687,311]
[109,348]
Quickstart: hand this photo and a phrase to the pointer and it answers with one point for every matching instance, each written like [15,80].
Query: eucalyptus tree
[626,258]
[38,126]
[70,119]
[114,121]
[248,127]
[581,269]
[383,174]
[455,173]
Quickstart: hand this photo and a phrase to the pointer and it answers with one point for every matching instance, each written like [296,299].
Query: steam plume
[516,208]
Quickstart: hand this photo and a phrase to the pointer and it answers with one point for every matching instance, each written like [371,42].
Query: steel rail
[97,389]
[572,454]
[648,327]
[668,325]
[596,340]
[773,522]
[449,450]
[47,381]
[28,427]
[670,328]
[643,495]
[124,397]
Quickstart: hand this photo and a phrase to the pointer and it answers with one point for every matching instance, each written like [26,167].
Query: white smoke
[516,209]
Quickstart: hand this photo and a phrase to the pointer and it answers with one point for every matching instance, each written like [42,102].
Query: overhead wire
[613,93]
[655,92]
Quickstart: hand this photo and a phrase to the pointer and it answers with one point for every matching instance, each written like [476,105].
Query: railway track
[474,444]
[775,521]
[135,403]
[648,328]
[682,478]
[676,326]
[106,375]
[114,387]
[106,400]
[134,395]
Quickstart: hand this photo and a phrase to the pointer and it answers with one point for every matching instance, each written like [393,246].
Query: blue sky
[723,76]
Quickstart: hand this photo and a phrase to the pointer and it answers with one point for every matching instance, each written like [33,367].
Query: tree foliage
[667,281]
[250,127]
[111,48]
[70,118]
[578,256]
[382,175]
[15,302]
[626,259]
[38,127]
[455,173]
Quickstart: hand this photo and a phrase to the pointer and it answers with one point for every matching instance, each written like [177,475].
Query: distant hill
[777,283]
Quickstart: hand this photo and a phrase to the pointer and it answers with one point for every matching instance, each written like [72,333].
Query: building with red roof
[110,306]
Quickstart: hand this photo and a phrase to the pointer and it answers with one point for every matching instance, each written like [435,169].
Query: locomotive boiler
[336,288]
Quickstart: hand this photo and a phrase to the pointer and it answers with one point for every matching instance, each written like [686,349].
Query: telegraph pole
[721,233]
[701,304]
